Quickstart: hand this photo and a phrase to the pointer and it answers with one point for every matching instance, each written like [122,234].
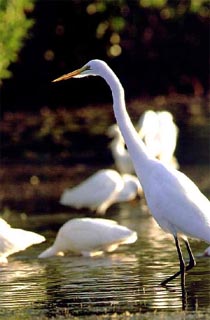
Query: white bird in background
[120,154]
[101,190]
[13,240]
[173,199]
[131,188]
[159,133]
[169,134]
[89,237]
[148,128]
[207,252]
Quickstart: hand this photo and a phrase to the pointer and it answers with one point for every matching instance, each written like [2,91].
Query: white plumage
[120,154]
[174,200]
[89,237]
[207,252]
[148,128]
[159,133]
[101,190]
[13,240]
[131,188]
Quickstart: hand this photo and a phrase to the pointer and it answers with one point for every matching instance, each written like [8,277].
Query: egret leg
[181,261]
[182,270]
[192,261]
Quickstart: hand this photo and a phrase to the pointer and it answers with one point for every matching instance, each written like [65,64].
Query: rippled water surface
[126,281]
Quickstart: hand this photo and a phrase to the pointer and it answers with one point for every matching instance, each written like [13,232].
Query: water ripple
[127,280]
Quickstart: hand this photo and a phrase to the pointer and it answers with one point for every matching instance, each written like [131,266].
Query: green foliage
[14,25]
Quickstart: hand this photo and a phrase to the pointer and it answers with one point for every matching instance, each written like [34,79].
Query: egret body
[99,191]
[174,200]
[207,252]
[13,240]
[159,133]
[89,237]
[120,154]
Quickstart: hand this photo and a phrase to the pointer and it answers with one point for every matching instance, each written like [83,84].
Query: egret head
[92,68]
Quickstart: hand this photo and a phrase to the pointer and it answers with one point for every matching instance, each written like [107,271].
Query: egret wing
[189,209]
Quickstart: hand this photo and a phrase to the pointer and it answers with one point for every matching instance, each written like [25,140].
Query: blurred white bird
[101,190]
[159,133]
[148,128]
[120,154]
[207,252]
[13,240]
[89,237]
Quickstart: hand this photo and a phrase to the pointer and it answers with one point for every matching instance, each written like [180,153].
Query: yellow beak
[69,75]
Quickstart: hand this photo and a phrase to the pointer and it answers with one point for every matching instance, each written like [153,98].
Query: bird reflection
[87,285]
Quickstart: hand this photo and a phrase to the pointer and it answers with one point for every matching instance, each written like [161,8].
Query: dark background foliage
[153,49]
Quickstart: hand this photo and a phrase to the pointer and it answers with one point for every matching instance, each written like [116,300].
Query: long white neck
[134,144]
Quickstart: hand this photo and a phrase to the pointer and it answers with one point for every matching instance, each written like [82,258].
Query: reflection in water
[127,280]
[20,278]
[92,285]
[21,285]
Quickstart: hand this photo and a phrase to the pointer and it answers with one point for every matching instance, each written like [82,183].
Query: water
[126,281]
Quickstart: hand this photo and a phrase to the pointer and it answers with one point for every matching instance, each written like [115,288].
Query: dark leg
[191,264]
[181,261]
[192,261]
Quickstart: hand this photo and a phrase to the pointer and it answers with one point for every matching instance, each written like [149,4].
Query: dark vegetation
[155,47]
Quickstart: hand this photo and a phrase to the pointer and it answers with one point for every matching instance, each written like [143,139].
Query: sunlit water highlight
[127,280]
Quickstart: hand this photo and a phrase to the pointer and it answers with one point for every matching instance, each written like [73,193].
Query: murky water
[127,280]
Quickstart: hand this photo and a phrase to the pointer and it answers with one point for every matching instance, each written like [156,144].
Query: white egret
[159,133]
[169,134]
[173,199]
[207,252]
[148,128]
[89,237]
[13,240]
[101,190]
[120,154]
[131,188]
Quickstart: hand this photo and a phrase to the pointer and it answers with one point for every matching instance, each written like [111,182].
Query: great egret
[159,133]
[148,128]
[120,154]
[173,199]
[13,240]
[89,237]
[207,252]
[101,190]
